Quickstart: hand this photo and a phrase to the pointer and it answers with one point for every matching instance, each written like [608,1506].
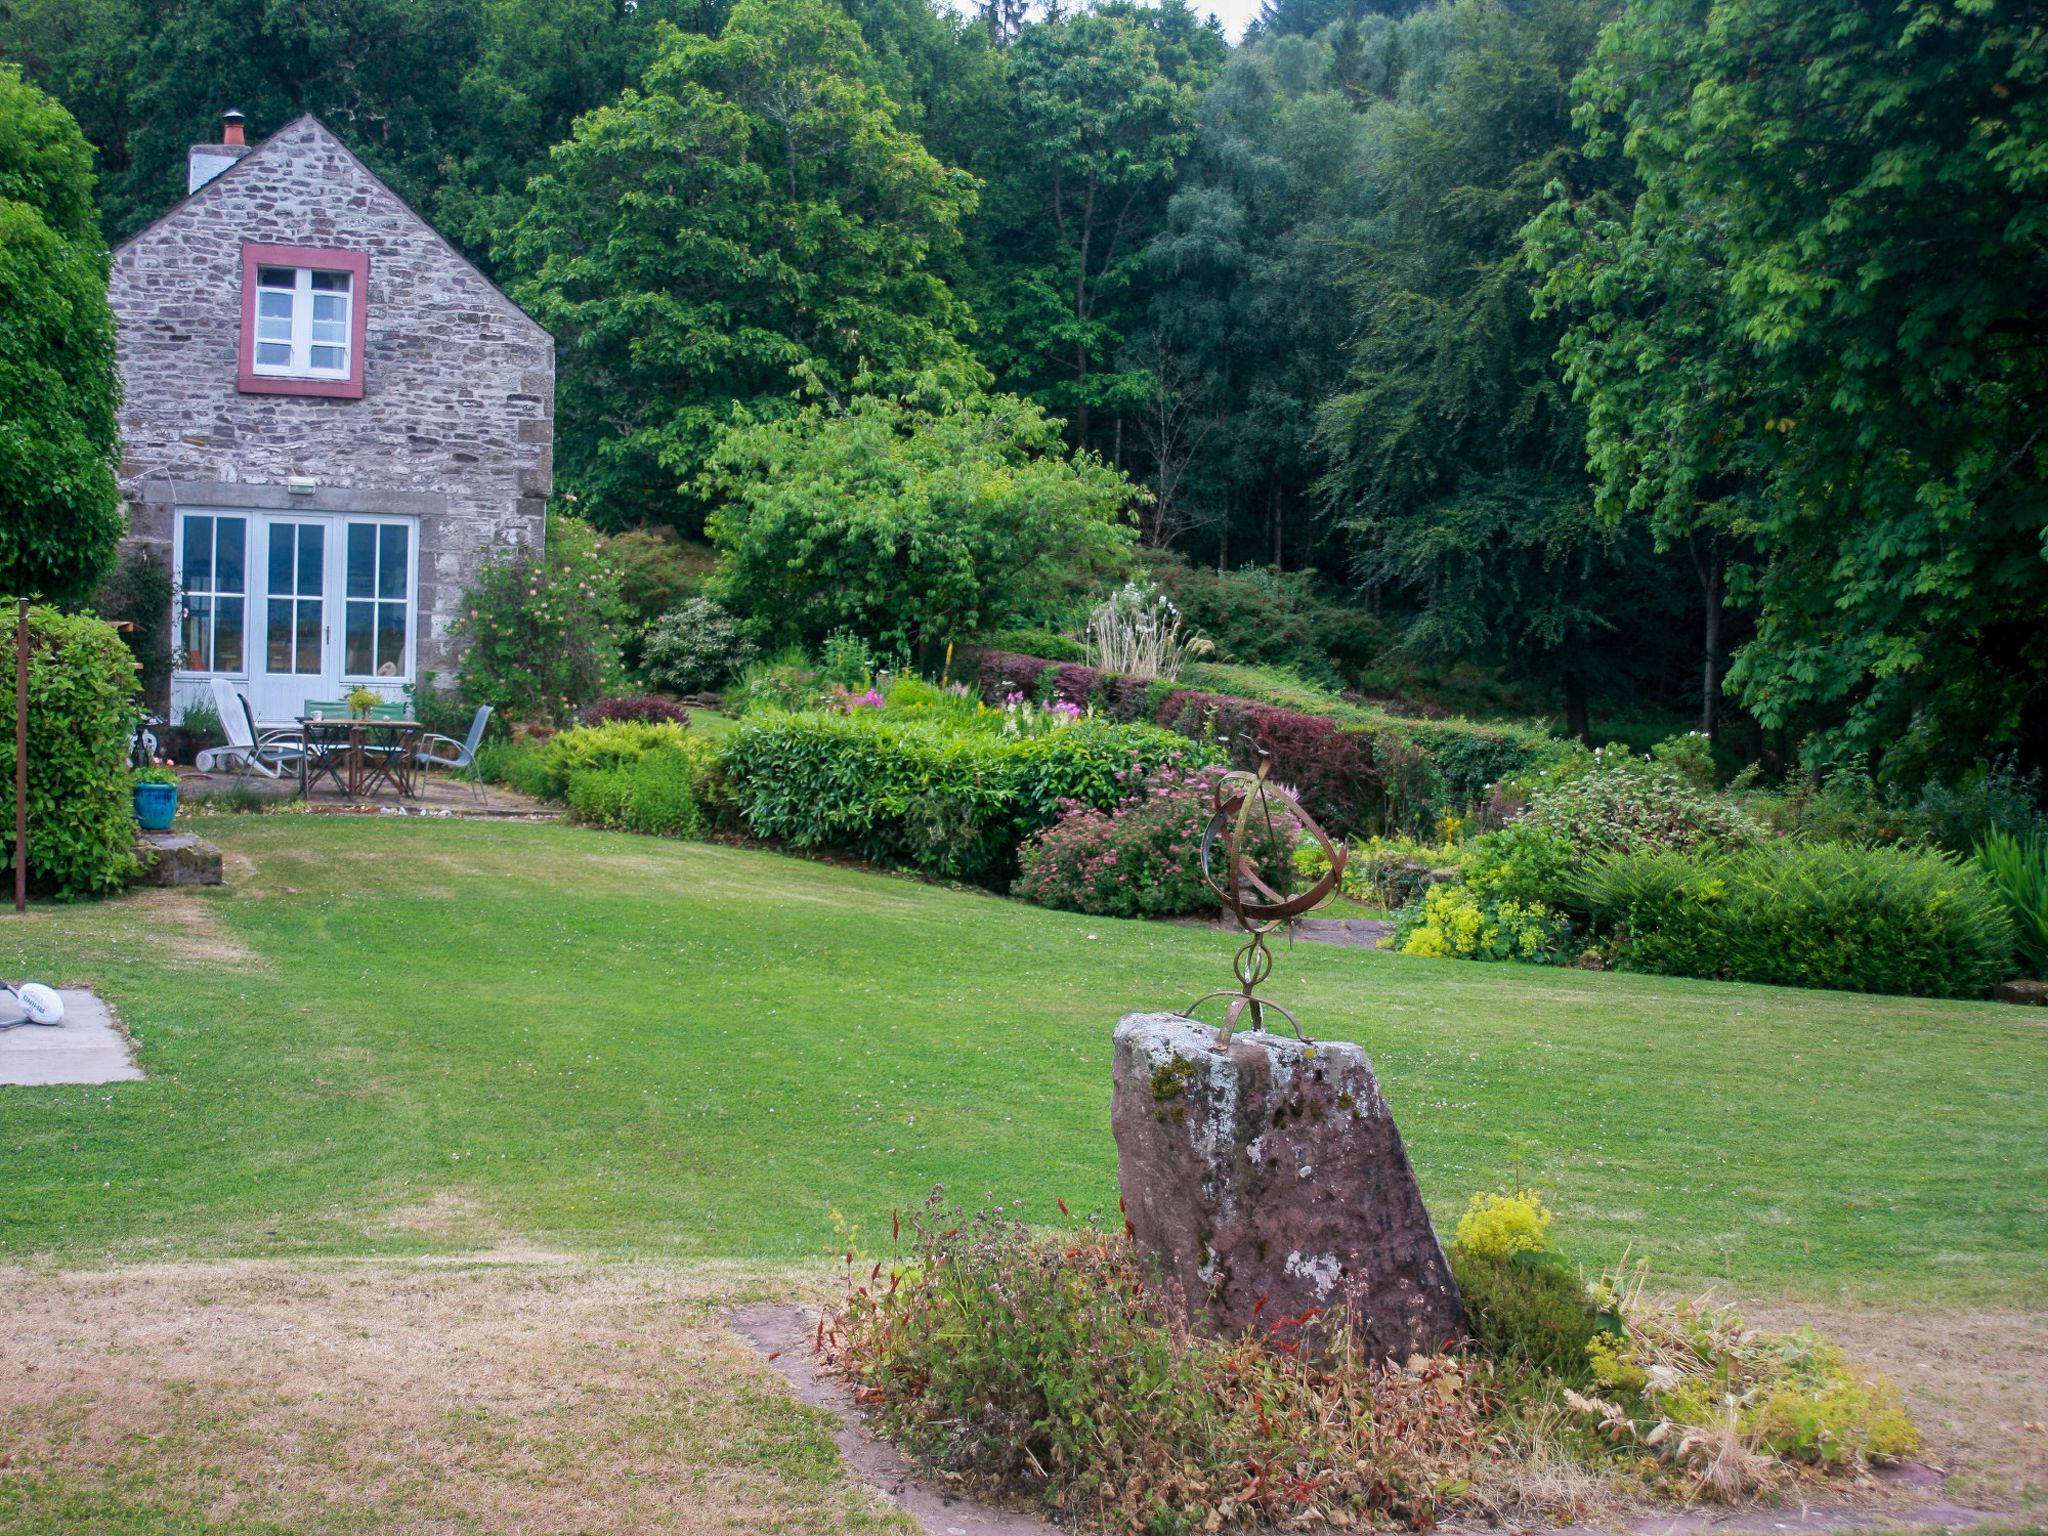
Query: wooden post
[21,755]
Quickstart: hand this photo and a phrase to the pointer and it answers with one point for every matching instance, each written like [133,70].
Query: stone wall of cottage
[455,424]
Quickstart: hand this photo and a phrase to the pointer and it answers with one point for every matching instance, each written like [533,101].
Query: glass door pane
[295,594]
[377,616]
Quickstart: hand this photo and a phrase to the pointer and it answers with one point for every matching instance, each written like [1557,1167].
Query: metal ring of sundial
[1245,894]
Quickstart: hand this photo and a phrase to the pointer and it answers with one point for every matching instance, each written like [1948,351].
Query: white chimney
[203,162]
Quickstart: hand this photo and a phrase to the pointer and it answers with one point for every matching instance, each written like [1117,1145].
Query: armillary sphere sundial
[1242,827]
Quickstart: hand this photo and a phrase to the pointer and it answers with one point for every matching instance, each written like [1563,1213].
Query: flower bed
[1357,770]
[1045,1365]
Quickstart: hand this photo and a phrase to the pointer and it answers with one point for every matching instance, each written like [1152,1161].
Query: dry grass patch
[408,1398]
[1975,1381]
[185,928]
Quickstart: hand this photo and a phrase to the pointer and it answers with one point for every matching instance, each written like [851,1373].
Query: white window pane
[274,354]
[197,566]
[329,332]
[329,358]
[330,306]
[357,639]
[198,632]
[361,564]
[274,330]
[391,541]
[390,639]
[330,282]
[272,305]
[227,634]
[229,542]
[277,650]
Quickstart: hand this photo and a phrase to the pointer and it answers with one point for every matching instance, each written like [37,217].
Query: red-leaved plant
[1143,857]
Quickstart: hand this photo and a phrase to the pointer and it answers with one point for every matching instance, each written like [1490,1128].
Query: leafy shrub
[657,570]
[1993,797]
[694,647]
[913,697]
[542,627]
[1047,1364]
[1521,862]
[1278,685]
[916,526]
[846,660]
[1393,872]
[646,708]
[1916,921]
[1690,756]
[1261,616]
[1528,1308]
[1048,643]
[614,745]
[926,792]
[2020,871]
[515,764]
[1634,807]
[1496,1226]
[650,794]
[81,711]
[1452,922]
[1844,807]
[137,592]
[786,681]
[1142,857]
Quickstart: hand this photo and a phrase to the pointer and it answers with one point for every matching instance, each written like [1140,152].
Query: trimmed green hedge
[926,793]
[1359,771]
[650,794]
[1912,921]
[81,713]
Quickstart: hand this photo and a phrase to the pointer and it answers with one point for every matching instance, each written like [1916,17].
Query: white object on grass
[39,1004]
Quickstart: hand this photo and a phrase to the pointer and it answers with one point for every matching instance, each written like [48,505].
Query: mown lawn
[608,1046]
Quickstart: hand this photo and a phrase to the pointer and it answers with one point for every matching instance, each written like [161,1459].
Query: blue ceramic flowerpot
[155,805]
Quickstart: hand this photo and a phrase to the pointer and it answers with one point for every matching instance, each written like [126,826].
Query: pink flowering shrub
[1143,857]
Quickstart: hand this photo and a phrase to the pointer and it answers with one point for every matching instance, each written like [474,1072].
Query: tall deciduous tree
[1456,454]
[60,510]
[1248,321]
[751,225]
[1101,114]
[538,66]
[148,77]
[909,522]
[1820,330]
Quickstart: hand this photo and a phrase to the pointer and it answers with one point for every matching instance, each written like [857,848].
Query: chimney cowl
[203,162]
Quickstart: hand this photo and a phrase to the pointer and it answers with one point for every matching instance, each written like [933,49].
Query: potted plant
[156,797]
[362,700]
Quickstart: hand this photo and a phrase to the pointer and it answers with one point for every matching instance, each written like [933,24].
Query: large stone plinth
[1272,1169]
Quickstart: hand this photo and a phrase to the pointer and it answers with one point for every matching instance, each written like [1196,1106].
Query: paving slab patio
[88,1047]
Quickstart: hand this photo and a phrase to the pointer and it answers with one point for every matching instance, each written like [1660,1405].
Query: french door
[295,608]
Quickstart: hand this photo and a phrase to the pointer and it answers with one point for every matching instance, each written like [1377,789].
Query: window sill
[280,384]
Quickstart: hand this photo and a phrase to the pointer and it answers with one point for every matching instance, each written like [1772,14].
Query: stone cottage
[331,418]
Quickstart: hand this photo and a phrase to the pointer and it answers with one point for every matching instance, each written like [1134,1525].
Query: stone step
[177,858]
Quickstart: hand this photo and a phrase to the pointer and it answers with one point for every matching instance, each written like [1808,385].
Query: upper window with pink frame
[303,309]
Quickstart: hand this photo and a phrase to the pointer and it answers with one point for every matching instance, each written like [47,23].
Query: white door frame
[280,696]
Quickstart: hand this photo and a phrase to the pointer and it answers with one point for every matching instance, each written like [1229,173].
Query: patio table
[359,756]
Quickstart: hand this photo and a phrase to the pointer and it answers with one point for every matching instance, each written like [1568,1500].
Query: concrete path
[88,1047]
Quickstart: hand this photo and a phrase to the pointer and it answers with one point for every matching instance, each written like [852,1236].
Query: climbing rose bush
[1142,858]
